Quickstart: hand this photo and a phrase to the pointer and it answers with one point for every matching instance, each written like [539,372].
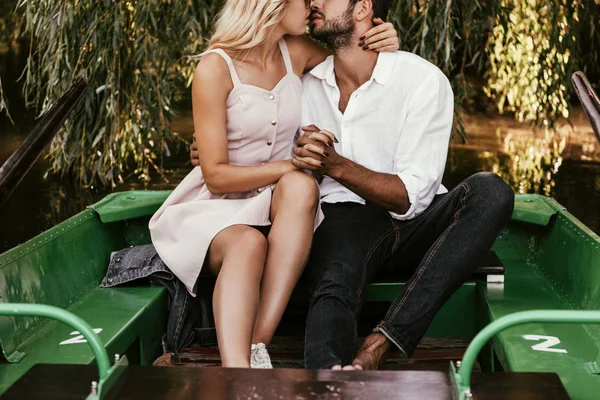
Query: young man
[390,116]
[377,130]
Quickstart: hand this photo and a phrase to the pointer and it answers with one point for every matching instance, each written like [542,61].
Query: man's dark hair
[381,8]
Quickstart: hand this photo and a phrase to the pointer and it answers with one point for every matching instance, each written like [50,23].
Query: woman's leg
[293,211]
[237,256]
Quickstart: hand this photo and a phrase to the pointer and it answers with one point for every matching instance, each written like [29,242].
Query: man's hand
[194,153]
[315,152]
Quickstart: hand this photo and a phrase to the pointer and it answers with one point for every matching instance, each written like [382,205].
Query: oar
[589,100]
[21,161]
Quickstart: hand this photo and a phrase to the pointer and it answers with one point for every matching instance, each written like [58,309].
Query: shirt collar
[381,72]
[383,68]
[324,71]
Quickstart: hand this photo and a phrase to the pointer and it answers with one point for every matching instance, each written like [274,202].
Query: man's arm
[418,164]
[384,190]
[315,152]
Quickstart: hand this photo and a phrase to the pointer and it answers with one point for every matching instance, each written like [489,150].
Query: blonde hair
[244,24]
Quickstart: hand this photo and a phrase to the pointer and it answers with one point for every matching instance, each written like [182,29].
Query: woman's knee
[300,187]
[250,241]
[243,240]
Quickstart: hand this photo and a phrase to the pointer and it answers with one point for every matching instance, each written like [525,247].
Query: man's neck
[353,65]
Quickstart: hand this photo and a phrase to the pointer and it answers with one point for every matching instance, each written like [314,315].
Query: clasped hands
[315,152]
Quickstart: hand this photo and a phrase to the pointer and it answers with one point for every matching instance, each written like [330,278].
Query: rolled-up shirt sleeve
[422,150]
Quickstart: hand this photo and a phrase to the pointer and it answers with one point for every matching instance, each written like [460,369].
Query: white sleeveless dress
[261,125]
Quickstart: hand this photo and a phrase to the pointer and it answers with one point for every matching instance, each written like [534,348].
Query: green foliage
[10,24]
[135,55]
[131,52]
[529,59]
[449,34]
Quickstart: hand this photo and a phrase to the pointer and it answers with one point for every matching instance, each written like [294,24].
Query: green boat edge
[552,261]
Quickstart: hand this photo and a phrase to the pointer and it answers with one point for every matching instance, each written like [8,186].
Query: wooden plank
[522,385]
[67,382]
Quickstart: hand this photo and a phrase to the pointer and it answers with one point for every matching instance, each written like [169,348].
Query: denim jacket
[190,319]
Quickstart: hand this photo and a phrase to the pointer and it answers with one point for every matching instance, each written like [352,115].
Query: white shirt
[399,122]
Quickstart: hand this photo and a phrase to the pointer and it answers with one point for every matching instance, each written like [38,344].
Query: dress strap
[286,56]
[234,76]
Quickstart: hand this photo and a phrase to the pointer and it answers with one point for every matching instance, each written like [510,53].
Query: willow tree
[132,54]
[529,59]
[136,56]
[9,35]
[2,101]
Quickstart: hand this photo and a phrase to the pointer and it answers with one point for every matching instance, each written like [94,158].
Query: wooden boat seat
[63,267]
[566,349]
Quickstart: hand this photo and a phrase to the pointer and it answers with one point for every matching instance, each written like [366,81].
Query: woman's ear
[363,10]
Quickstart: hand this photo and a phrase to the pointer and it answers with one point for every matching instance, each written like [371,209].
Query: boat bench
[63,267]
[566,349]
[551,262]
[490,270]
[455,319]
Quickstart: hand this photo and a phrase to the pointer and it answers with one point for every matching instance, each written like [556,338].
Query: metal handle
[41,310]
[463,377]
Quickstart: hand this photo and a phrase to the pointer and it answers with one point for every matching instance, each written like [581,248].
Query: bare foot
[373,350]
[164,361]
[346,368]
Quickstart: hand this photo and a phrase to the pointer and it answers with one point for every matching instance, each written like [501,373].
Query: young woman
[247,215]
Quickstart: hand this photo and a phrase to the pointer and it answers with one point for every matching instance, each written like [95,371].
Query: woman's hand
[194,157]
[382,37]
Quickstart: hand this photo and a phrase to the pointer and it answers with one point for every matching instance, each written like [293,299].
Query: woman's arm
[307,53]
[212,84]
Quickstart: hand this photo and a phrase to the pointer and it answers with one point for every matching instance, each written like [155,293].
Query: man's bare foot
[373,350]
[165,360]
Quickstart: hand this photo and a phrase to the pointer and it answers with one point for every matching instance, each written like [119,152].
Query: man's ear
[363,10]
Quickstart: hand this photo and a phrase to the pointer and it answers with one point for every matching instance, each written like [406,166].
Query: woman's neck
[265,53]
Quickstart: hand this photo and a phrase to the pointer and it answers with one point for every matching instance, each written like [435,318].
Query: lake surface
[565,165]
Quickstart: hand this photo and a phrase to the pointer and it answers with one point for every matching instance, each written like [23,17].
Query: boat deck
[432,354]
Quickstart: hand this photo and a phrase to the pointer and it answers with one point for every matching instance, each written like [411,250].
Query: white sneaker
[259,357]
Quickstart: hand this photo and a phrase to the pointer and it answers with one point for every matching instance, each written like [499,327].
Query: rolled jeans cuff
[393,336]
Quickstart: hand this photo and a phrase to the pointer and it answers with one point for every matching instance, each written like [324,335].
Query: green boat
[527,325]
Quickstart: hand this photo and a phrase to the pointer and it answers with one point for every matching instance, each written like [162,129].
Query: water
[570,174]
[565,165]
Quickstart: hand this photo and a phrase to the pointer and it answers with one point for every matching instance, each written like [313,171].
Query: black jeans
[439,250]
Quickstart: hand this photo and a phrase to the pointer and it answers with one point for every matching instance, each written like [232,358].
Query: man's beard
[337,33]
